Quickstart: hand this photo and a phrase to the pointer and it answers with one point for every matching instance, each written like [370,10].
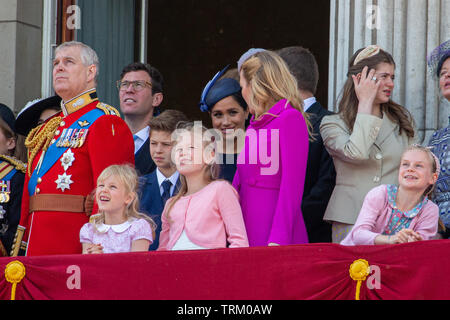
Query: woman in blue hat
[222,98]
[12,175]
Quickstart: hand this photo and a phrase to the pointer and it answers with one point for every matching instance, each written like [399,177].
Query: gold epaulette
[19,165]
[107,109]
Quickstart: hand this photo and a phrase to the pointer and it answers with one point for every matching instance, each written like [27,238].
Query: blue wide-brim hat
[223,88]
[8,116]
[217,90]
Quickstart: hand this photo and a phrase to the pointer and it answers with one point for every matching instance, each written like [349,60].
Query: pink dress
[116,238]
[270,177]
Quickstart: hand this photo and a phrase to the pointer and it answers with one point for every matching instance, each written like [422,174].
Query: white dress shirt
[140,137]
[173,179]
[308,103]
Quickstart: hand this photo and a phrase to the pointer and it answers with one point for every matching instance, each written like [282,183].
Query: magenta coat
[270,177]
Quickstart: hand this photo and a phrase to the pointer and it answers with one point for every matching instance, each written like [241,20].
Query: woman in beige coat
[366,138]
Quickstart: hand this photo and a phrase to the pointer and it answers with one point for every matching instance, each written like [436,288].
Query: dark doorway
[190,40]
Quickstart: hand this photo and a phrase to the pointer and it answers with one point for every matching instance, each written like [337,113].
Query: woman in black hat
[12,175]
[222,98]
[36,112]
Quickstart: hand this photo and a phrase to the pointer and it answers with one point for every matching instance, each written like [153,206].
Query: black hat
[28,117]
[8,116]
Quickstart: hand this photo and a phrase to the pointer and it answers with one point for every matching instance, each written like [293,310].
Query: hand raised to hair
[366,89]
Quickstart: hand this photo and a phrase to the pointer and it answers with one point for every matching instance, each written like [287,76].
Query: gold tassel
[359,270]
[14,273]
[39,139]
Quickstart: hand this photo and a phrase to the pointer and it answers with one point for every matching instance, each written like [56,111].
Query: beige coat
[366,158]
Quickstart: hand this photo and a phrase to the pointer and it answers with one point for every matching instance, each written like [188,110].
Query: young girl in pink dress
[118,227]
[205,214]
[397,214]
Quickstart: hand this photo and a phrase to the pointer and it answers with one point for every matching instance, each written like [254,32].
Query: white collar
[118,228]
[143,134]
[308,103]
[173,178]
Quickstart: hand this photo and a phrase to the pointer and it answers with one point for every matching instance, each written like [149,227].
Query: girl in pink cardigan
[397,214]
[206,213]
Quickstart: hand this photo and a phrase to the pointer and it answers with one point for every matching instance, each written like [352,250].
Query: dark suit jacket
[143,162]
[151,203]
[319,181]
[12,211]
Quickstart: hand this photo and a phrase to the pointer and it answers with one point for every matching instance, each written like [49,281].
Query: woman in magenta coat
[271,168]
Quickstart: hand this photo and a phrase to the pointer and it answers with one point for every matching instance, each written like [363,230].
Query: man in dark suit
[140,94]
[320,174]
[158,186]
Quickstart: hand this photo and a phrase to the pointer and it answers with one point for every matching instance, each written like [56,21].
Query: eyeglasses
[137,85]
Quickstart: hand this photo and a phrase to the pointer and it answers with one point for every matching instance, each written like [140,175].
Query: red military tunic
[108,141]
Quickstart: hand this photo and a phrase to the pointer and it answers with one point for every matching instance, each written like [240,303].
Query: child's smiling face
[189,153]
[416,170]
[112,196]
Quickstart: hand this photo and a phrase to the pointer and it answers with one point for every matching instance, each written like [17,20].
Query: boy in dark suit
[320,174]
[161,184]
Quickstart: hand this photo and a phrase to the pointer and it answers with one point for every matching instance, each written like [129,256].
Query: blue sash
[54,153]
[9,175]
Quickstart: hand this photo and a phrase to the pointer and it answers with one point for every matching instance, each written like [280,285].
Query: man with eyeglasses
[67,153]
[140,94]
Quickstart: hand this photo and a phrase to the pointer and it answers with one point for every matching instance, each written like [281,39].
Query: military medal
[72,138]
[64,139]
[5,190]
[61,138]
[82,137]
[67,159]
[63,182]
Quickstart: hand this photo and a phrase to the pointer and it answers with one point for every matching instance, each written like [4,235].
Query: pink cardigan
[375,214]
[210,217]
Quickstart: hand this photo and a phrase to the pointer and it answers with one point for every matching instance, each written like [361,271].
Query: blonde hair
[211,170]
[434,165]
[270,81]
[129,179]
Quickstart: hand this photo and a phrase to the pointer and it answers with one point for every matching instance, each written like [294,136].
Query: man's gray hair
[88,55]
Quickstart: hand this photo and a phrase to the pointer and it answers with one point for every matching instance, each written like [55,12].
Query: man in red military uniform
[67,154]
